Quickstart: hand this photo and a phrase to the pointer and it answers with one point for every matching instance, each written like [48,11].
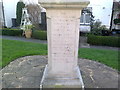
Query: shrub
[42,35]
[104,40]
[97,27]
[11,32]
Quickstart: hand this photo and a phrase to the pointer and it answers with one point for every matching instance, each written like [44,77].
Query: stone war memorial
[63,18]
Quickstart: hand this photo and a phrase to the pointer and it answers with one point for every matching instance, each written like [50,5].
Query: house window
[82,19]
[40,19]
[118,16]
[85,18]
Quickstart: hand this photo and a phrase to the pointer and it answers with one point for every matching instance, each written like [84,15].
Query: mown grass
[108,57]
[12,50]
[0,52]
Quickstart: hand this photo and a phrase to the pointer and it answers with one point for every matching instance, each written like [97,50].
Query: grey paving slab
[26,72]
[98,75]
[104,47]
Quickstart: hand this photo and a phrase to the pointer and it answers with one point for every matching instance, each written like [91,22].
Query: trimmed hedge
[104,40]
[37,34]
[11,32]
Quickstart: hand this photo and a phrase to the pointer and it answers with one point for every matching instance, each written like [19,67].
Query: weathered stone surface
[24,72]
[94,74]
[63,17]
[97,75]
[63,42]
[74,4]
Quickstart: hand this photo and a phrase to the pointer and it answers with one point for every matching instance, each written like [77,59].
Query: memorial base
[61,82]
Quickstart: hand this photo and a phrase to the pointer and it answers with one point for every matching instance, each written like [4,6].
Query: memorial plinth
[63,18]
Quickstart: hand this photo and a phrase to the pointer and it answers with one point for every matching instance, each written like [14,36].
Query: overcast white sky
[31,1]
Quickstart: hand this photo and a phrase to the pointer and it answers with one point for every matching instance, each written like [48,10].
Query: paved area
[23,39]
[104,47]
[26,72]
[82,40]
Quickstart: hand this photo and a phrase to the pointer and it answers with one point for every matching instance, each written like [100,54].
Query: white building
[101,9]
[10,9]
[1,15]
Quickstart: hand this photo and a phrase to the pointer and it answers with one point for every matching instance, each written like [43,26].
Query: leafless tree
[34,11]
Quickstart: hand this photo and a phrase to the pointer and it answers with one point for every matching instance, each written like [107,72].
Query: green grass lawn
[12,50]
[108,57]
